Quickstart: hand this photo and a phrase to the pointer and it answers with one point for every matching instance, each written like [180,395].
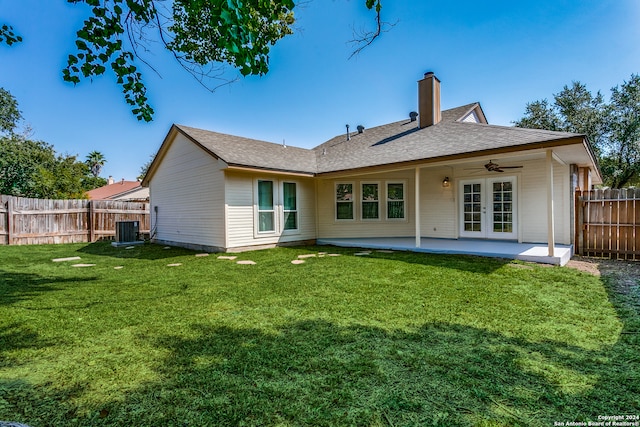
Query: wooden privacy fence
[608,223]
[39,221]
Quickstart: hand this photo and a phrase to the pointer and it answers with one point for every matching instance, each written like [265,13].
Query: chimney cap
[431,74]
[413,115]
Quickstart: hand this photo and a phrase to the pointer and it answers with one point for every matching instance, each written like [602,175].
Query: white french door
[488,208]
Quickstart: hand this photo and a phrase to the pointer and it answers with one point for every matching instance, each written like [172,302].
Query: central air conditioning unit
[127,231]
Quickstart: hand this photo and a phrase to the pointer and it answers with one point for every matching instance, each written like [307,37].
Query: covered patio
[533,252]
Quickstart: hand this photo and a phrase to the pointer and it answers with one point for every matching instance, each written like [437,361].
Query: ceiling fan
[494,167]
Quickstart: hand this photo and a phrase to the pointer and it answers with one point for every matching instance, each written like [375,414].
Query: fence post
[10,221]
[92,231]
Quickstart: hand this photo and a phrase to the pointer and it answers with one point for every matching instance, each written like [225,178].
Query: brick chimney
[429,100]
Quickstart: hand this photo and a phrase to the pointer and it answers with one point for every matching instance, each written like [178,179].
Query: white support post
[550,225]
[417,202]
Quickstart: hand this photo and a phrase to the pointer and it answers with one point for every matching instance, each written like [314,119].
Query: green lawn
[387,339]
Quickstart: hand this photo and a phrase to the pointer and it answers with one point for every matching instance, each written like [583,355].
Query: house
[131,191]
[437,176]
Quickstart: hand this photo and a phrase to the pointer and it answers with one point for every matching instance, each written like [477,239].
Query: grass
[389,339]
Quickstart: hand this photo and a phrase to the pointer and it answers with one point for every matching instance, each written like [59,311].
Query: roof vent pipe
[360,128]
[413,116]
[348,134]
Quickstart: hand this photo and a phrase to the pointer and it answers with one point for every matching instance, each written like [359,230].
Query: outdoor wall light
[446,182]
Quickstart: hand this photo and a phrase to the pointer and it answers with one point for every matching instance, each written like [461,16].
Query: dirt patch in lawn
[623,275]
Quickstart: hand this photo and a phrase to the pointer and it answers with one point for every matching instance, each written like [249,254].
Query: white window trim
[256,209]
[362,184]
[297,210]
[387,200]
[353,201]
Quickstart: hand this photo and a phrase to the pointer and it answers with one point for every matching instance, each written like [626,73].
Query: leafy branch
[204,36]
[8,35]
[365,38]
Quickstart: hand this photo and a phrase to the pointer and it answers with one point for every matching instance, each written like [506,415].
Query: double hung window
[370,201]
[344,201]
[290,205]
[395,200]
[266,208]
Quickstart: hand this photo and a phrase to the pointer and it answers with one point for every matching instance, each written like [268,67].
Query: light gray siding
[533,202]
[187,190]
[241,208]
[329,227]
[438,204]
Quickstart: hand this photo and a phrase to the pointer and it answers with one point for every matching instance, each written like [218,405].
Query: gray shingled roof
[239,151]
[398,142]
[405,141]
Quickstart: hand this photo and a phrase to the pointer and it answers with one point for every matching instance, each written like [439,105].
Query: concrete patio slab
[534,252]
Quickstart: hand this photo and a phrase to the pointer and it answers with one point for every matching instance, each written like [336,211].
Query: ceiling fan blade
[511,167]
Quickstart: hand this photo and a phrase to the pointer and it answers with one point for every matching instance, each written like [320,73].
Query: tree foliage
[203,36]
[10,115]
[621,162]
[32,168]
[145,168]
[613,129]
[95,161]
[8,35]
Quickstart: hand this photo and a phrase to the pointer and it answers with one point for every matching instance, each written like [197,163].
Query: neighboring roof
[112,191]
[395,143]
[239,151]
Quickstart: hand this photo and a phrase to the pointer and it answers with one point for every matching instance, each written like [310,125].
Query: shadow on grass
[16,287]
[18,336]
[56,406]
[147,251]
[316,373]
[466,263]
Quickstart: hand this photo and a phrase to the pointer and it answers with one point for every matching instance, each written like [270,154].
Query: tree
[574,109]
[89,182]
[203,36]
[612,129]
[21,164]
[33,169]
[10,115]
[621,163]
[63,179]
[95,161]
[145,168]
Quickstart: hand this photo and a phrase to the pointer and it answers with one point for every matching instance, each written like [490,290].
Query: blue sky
[500,53]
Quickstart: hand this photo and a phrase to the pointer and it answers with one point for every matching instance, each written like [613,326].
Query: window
[395,200]
[266,211]
[370,201]
[290,205]
[502,207]
[344,201]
